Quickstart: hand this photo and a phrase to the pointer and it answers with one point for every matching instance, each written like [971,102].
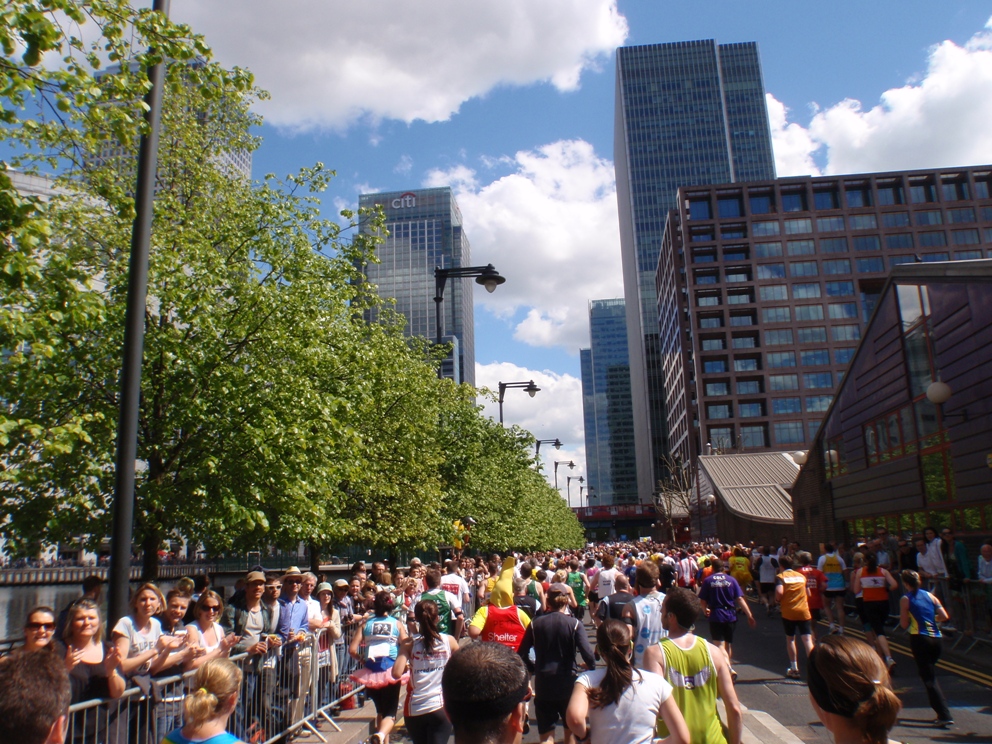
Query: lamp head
[532,389]
[571,464]
[557,444]
[581,479]
[490,278]
[799,457]
[938,392]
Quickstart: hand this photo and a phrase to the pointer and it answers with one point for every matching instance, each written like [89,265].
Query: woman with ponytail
[427,654]
[919,613]
[850,691]
[619,704]
[209,705]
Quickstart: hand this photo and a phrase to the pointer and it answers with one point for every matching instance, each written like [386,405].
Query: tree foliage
[271,411]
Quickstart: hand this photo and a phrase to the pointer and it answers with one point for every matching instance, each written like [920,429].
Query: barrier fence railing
[969,604]
[282,691]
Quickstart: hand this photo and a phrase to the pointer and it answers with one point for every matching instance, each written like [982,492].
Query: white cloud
[792,144]
[554,413]
[939,119]
[404,166]
[551,229]
[329,65]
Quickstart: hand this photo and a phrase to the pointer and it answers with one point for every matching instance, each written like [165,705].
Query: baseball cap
[255,576]
[323,587]
[341,582]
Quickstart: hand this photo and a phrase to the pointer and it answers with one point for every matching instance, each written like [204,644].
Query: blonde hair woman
[138,635]
[209,705]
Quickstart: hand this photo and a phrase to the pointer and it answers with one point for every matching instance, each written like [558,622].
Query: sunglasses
[293,581]
[40,626]
[211,608]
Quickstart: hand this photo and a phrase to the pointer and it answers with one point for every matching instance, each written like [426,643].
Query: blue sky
[511,103]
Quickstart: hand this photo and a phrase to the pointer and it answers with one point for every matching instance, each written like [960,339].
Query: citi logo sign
[409,199]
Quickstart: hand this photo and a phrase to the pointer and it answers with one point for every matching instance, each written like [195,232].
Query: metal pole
[438,315]
[134,338]
[568,488]
[556,475]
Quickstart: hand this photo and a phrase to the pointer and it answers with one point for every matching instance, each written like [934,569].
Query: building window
[718,411]
[714,344]
[858,195]
[801,248]
[742,319]
[780,359]
[837,266]
[737,274]
[961,215]
[826,199]
[931,239]
[701,234]
[846,332]
[735,253]
[718,388]
[929,217]
[749,387]
[842,310]
[870,265]
[747,364]
[722,437]
[903,240]
[863,222]
[704,256]
[798,227]
[805,291]
[982,192]
[764,229]
[708,276]
[729,206]
[752,409]
[812,335]
[956,190]
[840,289]
[966,255]
[890,194]
[804,268]
[895,219]
[774,292]
[829,224]
[699,209]
[740,297]
[754,436]
[818,380]
[867,243]
[789,432]
[781,337]
[833,245]
[733,232]
[771,271]
[786,406]
[965,237]
[809,312]
[928,257]
[922,192]
[767,250]
[761,203]
[711,321]
[897,260]
[815,358]
[813,427]
[749,341]
[711,366]
[707,299]
[818,403]
[793,201]
[783,382]
[776,315]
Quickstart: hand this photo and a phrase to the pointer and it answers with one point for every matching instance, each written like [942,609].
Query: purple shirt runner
[719,591]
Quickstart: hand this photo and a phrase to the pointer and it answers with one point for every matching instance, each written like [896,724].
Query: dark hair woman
[39,629]
[380,635]
[919,612]
[426,654]
[874,583]
[622,704]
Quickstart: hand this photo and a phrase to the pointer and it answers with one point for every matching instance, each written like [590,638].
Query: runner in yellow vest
[698,672]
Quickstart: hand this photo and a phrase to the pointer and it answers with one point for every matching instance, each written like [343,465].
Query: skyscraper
[611,469]
[425,230]
[686,113]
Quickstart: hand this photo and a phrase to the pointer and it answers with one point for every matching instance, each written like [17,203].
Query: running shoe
[792,673]
[891,664]
[376,738]
[943,722]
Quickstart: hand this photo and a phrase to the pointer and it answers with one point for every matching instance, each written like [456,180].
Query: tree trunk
[149,564]
[314,551]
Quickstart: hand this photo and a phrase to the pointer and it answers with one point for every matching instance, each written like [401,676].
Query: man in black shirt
[522,599]
[612,606]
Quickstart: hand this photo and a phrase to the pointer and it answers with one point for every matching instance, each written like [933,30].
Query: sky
[511,104]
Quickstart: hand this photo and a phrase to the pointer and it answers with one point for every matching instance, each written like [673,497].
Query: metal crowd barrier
[288,689]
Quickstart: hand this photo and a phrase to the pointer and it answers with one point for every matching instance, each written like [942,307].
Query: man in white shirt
[606,578]
[453,583]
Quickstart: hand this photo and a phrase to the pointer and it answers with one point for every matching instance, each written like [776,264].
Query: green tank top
[578,588]
[692,675]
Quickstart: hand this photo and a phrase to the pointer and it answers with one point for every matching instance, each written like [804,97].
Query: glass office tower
[425,230]
[606,402]
[686,113]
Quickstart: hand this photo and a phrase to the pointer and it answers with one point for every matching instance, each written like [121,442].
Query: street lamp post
[537,450]
[581,489]
[571,466]
[568,486]
[528,387]
[487,276]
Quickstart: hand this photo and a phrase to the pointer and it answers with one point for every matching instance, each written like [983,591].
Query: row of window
[967,236]
[775,360]
[777,383]
[856,194]
[800,291]
[773,337]
[780,406]
[969,520]
[745,318]
[861,244]
[756,435]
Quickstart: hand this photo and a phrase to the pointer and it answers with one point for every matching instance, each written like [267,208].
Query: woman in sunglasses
[39,629]
[208,630]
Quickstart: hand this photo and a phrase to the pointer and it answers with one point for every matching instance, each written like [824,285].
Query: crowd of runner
[645,602]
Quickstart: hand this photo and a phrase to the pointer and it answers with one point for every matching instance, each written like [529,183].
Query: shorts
[817,614]
[874,616]
[548,713]
[594,597]
[386,699]
[791,626]
[722,631]
[831,593]
[767,587]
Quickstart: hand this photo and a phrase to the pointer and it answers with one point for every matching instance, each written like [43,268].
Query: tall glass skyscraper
[686,113]
[425,230]
[611,468]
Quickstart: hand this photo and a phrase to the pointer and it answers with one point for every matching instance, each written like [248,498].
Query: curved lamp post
[486,275]
[571,466]
[568,486]
[528,387]
[581,489]
[555,442]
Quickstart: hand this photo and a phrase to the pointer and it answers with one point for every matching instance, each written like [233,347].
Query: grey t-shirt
[253,627]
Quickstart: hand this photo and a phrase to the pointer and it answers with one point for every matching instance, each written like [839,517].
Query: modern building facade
[686,113]
[425,231]
[906,442]
[611,469]
[766,289]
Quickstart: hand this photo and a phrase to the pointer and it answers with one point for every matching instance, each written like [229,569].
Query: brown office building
[765,290]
